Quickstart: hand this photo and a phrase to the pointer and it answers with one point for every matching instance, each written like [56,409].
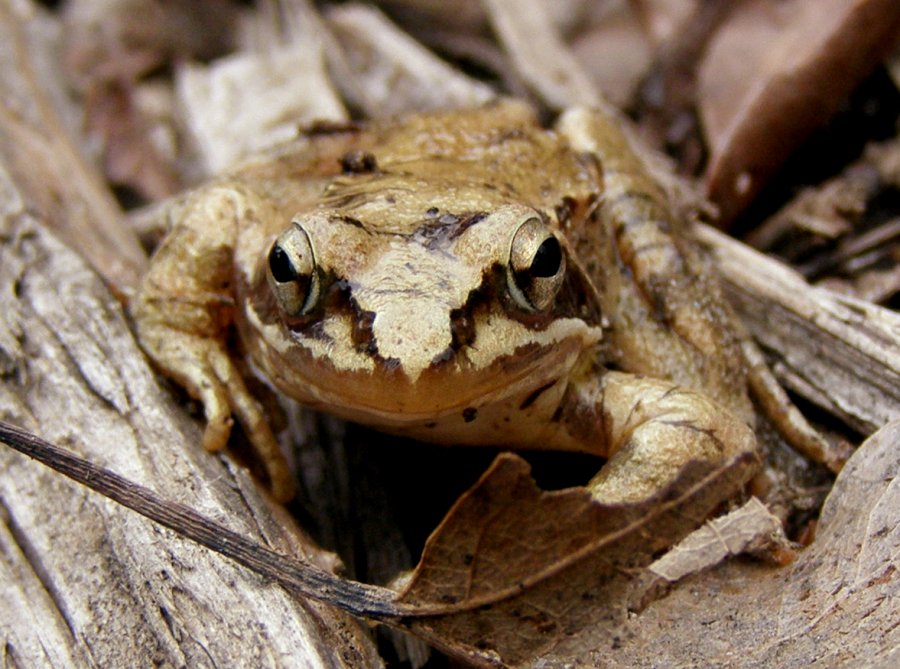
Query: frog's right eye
[292,273]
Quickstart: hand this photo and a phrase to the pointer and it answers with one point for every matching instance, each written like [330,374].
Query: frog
[457,277]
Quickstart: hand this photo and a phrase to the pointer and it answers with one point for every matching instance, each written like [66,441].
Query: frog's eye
[536,266]
[292,272]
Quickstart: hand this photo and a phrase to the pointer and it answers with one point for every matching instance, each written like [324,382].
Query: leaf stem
[302,578]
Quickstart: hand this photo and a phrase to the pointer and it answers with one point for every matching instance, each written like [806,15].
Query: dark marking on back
[358,162]
[330,128]
[355,222]
[467,222]
[469,414]
[437,230]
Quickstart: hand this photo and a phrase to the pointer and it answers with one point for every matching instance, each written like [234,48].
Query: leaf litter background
[785,111]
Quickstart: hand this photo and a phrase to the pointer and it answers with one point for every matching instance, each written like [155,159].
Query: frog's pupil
[280,265]
[547,259]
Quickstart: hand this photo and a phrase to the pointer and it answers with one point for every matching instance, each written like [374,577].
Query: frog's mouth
[506,359]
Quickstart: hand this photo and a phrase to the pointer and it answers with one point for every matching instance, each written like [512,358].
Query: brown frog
[465,277]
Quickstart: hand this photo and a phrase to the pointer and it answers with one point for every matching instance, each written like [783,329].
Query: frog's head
[388,323]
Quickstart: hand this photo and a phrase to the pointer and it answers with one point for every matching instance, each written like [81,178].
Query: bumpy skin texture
[462,277]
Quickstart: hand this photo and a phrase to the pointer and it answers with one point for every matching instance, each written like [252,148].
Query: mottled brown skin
[440,307]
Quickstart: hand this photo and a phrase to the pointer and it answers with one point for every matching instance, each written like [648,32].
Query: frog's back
[499,148]
[389,173]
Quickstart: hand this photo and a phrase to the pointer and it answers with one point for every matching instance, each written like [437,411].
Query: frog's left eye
[536,266]
[292,273]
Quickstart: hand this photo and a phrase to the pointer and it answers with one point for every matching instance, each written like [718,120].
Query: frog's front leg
[669,318]
[652,429]
[183,311]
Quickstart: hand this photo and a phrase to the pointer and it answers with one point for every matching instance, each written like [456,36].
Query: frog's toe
[218,429]
[237,400]
[217,408]
[281,478]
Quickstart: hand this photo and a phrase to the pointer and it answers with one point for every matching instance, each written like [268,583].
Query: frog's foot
[654,428]
[206,370]
[786,417]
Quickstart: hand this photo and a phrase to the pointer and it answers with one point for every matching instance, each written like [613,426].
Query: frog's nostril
[462,329]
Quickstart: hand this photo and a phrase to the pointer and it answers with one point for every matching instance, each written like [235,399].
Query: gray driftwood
[84,582]
[838,352]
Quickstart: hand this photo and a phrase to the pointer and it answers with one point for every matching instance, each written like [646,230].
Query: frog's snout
[413,335]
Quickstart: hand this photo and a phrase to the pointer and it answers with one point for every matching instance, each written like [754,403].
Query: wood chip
[838,352]
[248,102]
[122,591]
[539,53]
[394,73]
[748,528]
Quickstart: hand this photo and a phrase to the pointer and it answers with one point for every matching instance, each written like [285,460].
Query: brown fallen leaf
[514,572]
[666,101]
[773,73]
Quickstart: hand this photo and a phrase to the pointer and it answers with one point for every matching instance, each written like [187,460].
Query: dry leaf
[514,572]
[775,72]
